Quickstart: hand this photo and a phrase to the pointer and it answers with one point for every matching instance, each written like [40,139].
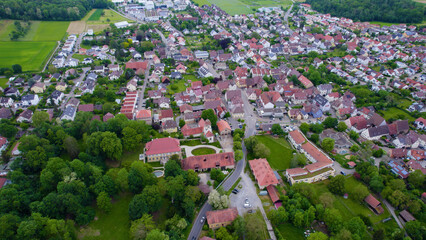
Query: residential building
[263,173]
[221,218]
[161,149]
[207,162]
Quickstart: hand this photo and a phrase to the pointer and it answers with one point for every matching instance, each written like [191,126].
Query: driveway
[189,149]
[227,143]
[246,191]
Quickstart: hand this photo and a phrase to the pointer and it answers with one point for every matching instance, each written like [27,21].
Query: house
[166,114]
[107,117]
[296,138]
[73,102]
[207,162]
[138,67]
[61,86]
[38,87]
[224,128]
[161,149]
[69,113]
[325,89]
[322,102]
[169,126]
[132,85]
[6,102]
[86,107]
[406,216]
[263,173]
[25,116]
[374,204]
[11,91]
[305,81]
[55,98]
[3,144]
[221,218]
[144,115]
[181,68]
[30,100]
[5,113]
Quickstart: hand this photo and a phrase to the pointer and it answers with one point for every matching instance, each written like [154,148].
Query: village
[275,99]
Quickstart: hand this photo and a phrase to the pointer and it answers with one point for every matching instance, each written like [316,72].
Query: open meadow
[233,7]
[31,50]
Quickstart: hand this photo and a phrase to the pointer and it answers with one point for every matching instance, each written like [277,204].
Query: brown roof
[406,216]
[297,136]
[107,117]
[221,216]
[273,193]
[372,201]
[5,113]
[208,161]
[162,145]
[263,172]
[223,125]
[86,107]
[166,113]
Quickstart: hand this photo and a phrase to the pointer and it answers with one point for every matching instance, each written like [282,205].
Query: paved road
[71,94]
[142,91]
[51,56]
[286,18]
[164,41]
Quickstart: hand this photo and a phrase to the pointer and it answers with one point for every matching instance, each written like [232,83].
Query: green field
[281,152]
[30,55]
[3,82]
[290,232]
[396,113]
[32,50]
[233,7]
[114,225]
[96,15]
[203,151]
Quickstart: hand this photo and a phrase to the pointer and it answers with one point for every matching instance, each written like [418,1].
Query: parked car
[202,219]
[343,173]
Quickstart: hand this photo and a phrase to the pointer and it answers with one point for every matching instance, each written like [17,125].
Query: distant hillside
[55,10]
[396,11]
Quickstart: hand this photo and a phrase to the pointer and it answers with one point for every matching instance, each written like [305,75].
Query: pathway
[50,58]
[392,211]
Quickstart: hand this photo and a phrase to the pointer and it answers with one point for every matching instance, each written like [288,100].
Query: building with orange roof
[144,115]
[306,82]
[263,173]
[221,218]
[207,162]
[296,138]
[161,149]
[224,128]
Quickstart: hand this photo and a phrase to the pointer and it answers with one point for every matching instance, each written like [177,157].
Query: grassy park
[31,50]
[281,152]
[114,225]
[203,151]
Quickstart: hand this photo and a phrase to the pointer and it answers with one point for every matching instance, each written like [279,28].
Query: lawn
[129,157]
[396,113]
[96,15]
[177,86]
[203,151]
[108,17]
[202,2]
[114,225]
[30,55]
[3,82]
[291,232]
[281,152]
[233,7]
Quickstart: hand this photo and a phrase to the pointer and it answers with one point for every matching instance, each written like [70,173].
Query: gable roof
[263,172]
[222,125]
[221,216]
[208,161]
[162,145]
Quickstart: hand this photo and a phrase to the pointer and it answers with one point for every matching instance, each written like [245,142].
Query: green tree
[354,148]
[330,122]
[278,216]
[304,127]
[316,128]
[39,117]
[156,235]
[131,139]
[172,169]
[417,178]
[105,143]
[326,199]
[353,135]
[317,236]
[356,226]
[277,130]
[416,230]
[223,234]
[104,202]
[181,123]
[123,179]
[238,155]
[333,219]
[8,130]
[209,114]
[341,127]
[261,151]
[139,228]
[359,193]
[71,146]
[16,68]
[218,201]
[327,144]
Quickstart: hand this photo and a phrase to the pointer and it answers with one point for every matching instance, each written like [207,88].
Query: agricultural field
[233,7]
[30,55]
[97,19]
[3,82]
[31,50]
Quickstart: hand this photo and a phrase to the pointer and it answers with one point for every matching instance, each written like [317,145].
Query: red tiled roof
[221,216]
[263,172]
[372,201]
[137,65]
[223,125]
[86,107]
[162,145]
[297,136]
[306,82]
[273,193]
[208,161]
[2,182]
[3,141]
[166,113]
[144,113]
[296,171]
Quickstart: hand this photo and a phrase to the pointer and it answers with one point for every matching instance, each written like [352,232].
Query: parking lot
[248,191]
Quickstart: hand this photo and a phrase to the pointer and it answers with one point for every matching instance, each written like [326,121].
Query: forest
[394,11]
[49,10]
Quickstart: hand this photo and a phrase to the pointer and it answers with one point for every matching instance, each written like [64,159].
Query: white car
[202,219]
